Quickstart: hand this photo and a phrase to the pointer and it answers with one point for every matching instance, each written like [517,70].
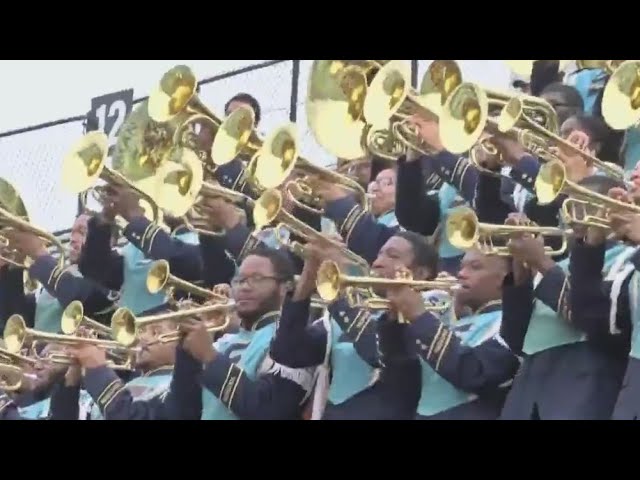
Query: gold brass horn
[85,164]
[464,231]
[279,158]
[465,115]
[73,318]
[176,96]
[331,282]
[268,211]
[14,216]
[513,114]
[390,101]
[160,279]
[621,97]
[125,325]
[584,206]
[15,358]
[335,101]
[10,378]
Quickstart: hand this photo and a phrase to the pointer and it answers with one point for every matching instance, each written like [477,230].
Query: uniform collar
[159,371]
[180,229]
[265,320]
[492,306]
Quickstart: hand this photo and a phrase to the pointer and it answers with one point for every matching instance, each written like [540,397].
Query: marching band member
[145,397]
[383,203]
[371,377]
[559,351]
[466,366]
[46,392]
[127,271]
[43,310]
[236,376]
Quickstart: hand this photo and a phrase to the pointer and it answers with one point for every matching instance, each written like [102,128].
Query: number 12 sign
[108,113]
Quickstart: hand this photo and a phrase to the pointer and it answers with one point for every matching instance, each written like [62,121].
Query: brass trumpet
[465,115]
[160,279]
[391,102]
[584,206]
[125,324]
[10,378]
[15,358]
[513,114]
[14,216]
[73,318]
[17,335]
[176,95]
[268,210]
[621,96]
[85,163]
[280,157]
[330,282]
[464,231]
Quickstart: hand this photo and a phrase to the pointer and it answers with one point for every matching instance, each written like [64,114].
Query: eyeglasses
[252,281]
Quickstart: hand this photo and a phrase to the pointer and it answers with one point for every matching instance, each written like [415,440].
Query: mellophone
[353,108]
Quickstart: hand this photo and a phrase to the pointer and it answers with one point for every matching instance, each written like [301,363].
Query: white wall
[35,92]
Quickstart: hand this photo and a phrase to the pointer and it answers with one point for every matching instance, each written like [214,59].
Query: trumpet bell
[123,326]
[233,136]
[621,97]
[158,276]
[10,378]
[72,317]
[11,201]
[85,162]
[267,208]
[550,182]
[177,88]
[328,281]
[388,89]
[180,179]
[277,158]
[440,81]
[15,331]
[463,118]
[334,107]
[462,228]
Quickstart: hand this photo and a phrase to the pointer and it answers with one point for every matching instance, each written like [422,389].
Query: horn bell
[82,166]
[550,181]
[72,317]
[328,281]
[267,208]
[621,97]
[277,158]
[463,118]
[10,378]
[123,326]
[158,276]
[462,228]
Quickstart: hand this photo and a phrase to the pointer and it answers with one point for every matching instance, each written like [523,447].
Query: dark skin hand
[123,201]
[406,302]
[197,341]
[528,250]
[220,213]
[88,356]
[26,243]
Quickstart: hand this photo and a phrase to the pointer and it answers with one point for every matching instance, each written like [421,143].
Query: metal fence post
[295,82]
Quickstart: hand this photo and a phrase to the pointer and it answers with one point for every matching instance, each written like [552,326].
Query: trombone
[279,158]
[621,96]
[125,324]
[176,95]
[73,318]
[331,281]
[268,210]
[390,101]
[14,216]
[10,378]
[85,163]
[17,335]
[160,279]
[464,231]
[584,206]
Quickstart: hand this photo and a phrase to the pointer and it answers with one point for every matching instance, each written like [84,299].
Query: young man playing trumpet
[127,271]
[43,309]
[235,377]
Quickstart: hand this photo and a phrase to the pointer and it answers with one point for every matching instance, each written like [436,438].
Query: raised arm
[416,211]
[13,298]
[98,260]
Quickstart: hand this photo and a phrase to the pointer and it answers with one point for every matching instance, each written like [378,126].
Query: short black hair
[282,264]
[249,100]
[571,94]
[424,254]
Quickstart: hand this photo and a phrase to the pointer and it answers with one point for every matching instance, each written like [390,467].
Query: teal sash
[588,82]
[547,329]
[448,199]
[142,389]
[388,219]
[438,395]
[134,294]
[36,411]
[250,348]
[48,309]
[631,148]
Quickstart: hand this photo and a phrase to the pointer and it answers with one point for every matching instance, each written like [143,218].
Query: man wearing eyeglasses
[238,378]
